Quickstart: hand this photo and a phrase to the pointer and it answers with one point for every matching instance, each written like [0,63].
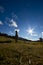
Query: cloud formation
[17,30]
[34,34]
[1,9]
[13,23]
[1,23]
[42,33]
[10,32]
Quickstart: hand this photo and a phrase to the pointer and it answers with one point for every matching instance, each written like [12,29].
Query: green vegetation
[21,53]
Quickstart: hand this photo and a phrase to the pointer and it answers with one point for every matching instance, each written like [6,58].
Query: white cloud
[32,32]
[1,9]
[34,39]
[10,32]
[1,23]
[42,33]
[17,30]
[13,23]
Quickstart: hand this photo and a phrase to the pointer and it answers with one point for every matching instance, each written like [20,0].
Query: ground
[21,53]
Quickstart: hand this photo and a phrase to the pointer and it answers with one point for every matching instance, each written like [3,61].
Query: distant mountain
[19,38]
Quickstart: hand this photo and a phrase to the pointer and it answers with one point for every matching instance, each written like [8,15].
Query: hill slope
[20,53]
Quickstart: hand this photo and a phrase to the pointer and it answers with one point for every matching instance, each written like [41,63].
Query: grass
[21,53]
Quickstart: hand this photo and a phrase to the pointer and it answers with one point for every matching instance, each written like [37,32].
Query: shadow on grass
[6,41]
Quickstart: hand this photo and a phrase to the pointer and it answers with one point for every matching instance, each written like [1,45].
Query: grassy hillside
[21,53]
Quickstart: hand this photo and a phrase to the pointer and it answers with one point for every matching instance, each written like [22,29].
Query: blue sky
[25,16]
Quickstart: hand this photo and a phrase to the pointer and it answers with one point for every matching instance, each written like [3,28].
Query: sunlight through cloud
[32,32]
